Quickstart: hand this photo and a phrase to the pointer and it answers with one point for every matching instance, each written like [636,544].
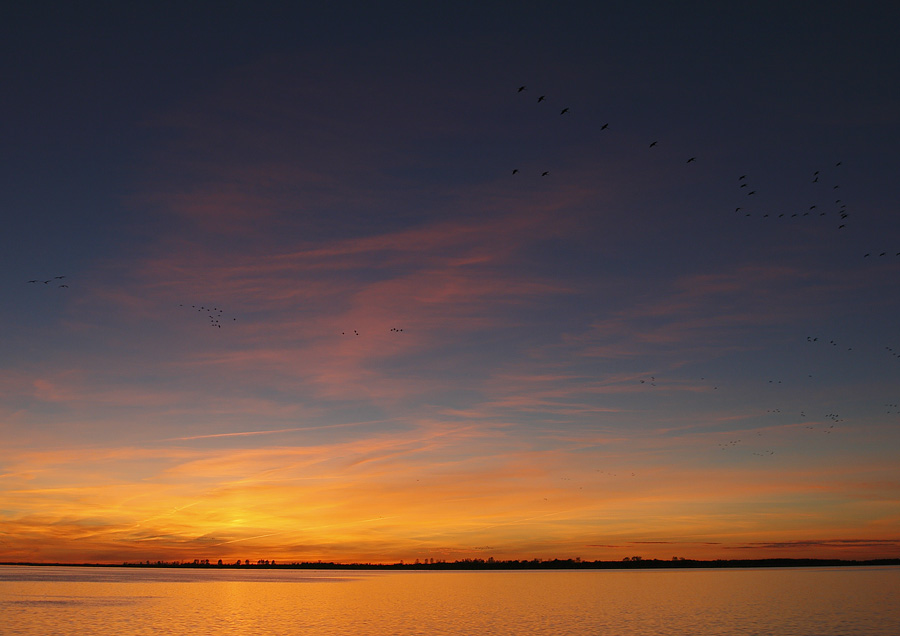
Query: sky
[516,280]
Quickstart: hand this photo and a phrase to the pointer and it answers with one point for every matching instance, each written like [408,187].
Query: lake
[48,601]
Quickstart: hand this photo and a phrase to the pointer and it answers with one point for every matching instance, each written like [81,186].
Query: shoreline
[480,564]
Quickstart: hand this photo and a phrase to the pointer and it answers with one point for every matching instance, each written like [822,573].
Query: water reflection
[102,602]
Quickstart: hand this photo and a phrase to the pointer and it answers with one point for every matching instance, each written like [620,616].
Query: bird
[541,98]
[653,144]
[604,126]
[32,281]
[742,177]
[691,159]
[545,173]
[521,88]
[63,285]
[515,171]
[564,111]
[751,192]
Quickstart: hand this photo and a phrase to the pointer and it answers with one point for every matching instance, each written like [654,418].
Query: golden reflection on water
[107,601]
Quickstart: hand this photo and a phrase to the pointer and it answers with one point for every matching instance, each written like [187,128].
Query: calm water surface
[46,601]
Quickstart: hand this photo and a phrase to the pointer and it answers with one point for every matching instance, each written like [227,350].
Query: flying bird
[604,126]
[515,171]
[691,159]
[521,88]
[545,173]
[564,111]
[653,144]
[541,98]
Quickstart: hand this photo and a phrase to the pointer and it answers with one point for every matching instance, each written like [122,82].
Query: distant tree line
[632,562]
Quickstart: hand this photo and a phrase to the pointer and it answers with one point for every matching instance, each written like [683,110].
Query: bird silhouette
[691,159]
[564,111]
[653,144]
[521,88]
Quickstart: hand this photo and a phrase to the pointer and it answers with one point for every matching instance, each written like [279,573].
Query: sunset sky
[292,302]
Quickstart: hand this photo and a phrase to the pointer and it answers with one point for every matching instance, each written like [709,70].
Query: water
[48,601]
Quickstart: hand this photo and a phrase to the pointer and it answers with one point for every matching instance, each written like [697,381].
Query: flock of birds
[748,207]
[815,209]
[57,280]
[838,210]
[822,427]
[214,314]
